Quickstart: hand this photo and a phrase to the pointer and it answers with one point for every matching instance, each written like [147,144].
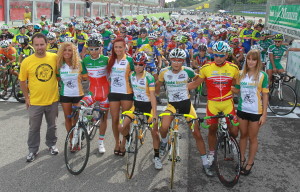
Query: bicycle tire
[8,86]
[227,160]
[94,126]
[16,89]
[286,104]
[173,158]
[78,153]
[131,152]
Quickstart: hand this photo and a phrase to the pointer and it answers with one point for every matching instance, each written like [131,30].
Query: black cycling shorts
[66,99]
[120,97]
[248,116]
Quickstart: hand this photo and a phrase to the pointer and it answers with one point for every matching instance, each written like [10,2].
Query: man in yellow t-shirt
[41,95]
[27,15]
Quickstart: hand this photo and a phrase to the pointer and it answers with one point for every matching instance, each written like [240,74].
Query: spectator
[37,77]
[56,11]
[27,15]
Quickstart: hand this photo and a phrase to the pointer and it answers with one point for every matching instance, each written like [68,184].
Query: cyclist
[44,22]
[96,65]
[176,79]
[30,30]
[22,31]
[246,36]
[69,74]
[200,58]
[153,54]
[182,44]
[237,52]
[52,45]
[256,35]
[106,38]
[26,48]
[265,43]
[219,75]
[80,37]
[143,86]
[6,35]
[63,33]
[215,39]
[143,39]
[200,39]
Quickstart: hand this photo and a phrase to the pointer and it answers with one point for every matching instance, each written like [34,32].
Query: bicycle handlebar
[220,115]
[193,119]
[136,113]
[76,108]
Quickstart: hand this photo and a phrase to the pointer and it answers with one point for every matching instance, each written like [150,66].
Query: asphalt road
[276,166]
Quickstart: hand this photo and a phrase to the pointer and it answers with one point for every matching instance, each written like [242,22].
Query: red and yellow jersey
[219,80]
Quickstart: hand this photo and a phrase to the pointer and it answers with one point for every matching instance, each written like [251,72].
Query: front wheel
[227,160]
[7,83]
[77,150]
[18,92]
[282,101]
[174,143]
[131,151]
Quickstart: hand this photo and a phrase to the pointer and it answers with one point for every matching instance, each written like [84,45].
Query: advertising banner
[285,19]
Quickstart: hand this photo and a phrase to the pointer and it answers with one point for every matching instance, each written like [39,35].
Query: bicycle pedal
[178,159]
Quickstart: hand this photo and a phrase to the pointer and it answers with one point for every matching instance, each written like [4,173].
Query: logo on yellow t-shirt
[44,72]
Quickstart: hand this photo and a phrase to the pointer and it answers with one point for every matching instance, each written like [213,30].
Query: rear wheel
[282,101]
[77,150]
[7,86]
[227,160]
[131,151]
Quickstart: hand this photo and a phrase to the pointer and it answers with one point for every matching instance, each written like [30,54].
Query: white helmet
[63,27]
[258,47]
[220,47]
[78,27]
[200,31]
[69,39]
[4,44]
[177,54]
[101,27]
[152,35]
[5,27]
[51,35]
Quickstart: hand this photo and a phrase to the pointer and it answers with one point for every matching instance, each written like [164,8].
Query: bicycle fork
[174,139]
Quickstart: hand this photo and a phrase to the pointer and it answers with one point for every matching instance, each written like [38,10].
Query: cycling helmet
[200,31]
[59,18]
[216,33]
[265,33]
[140,58]
[229,28]
[250,22]
[278,37]
[220,47]
[22,26]
[43,16]
[186,34]
[94,41]
[5,27]
[113,37]
[223,30]
[101,27]
[78,27]
[24,40]
[70,24]
[234,29]
[51,35]
[57,30]
[258,47]
[37,27]
[230,50]
[169,24]
[4,44]
[182,39]
[177,54]
[94,30]
[152,36]
[235,40]
[143,30]
[202,47]
[63,28]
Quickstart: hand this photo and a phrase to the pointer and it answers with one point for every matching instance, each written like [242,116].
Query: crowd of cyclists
[128,61]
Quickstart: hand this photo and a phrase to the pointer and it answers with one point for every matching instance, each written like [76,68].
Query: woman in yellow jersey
[69,74]
[252,108]
[121,95]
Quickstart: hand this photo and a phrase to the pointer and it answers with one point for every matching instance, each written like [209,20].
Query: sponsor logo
[181,76]
[44,72]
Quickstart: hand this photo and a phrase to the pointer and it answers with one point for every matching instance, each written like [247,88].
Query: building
[13,10]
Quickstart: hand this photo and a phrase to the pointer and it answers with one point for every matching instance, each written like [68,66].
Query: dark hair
[113,56]
[39,35]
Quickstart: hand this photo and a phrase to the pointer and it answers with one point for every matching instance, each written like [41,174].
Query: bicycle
[77,143]
[201,90]
[227,158]
[137,132]
[282,97]
[173,139]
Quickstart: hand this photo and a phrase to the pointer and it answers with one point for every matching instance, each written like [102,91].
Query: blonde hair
[75,60]
[255,55]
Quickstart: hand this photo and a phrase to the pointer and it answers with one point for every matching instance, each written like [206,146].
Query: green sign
[286,15]
[285,19]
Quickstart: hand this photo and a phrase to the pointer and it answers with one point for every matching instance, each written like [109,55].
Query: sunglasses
[94,49]
[152,40]
[137,64]
[51,39]
[177,61]
[277,41]
[219,55]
